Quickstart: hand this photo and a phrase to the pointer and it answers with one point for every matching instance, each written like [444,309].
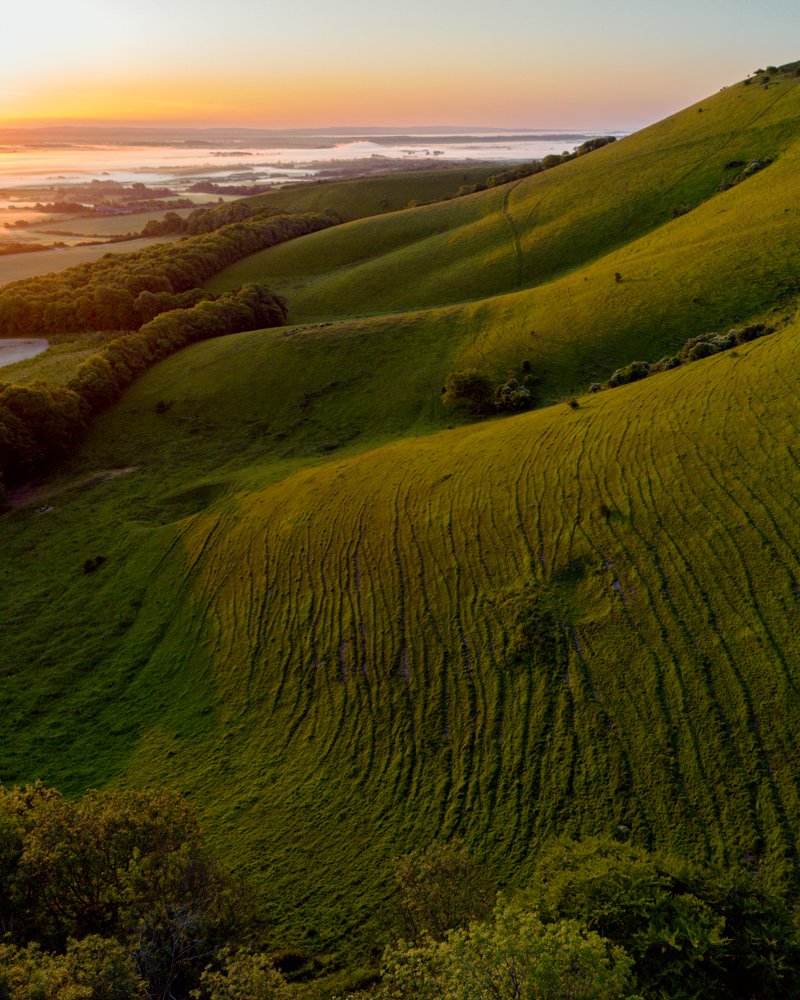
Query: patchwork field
[105,226]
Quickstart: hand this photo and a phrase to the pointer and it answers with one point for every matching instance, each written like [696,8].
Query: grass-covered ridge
[531,266]
[366,196]
[529,232]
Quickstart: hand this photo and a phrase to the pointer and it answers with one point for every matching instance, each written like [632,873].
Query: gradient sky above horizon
[557,64]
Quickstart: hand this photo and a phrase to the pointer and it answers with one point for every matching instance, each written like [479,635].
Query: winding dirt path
[31,494]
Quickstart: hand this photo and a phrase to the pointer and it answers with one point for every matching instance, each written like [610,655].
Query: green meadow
[347,621]
[528,269]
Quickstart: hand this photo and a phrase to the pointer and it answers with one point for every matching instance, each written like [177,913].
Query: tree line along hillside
[117,896]
[155,292]
[121,292]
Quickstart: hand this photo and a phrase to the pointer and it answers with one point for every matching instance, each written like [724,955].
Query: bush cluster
[120,292]
[528,169]
[600,919]
[630,373]
[753,167]
[547,162]
[206,220]
[702,346]
[40,422]
[115,896]
[472,389]
[788,69]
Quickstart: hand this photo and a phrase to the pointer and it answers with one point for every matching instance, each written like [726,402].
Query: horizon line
[40,125]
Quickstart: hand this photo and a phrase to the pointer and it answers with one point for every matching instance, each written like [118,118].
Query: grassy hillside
[530,231]
[338,665]
[561,237]
[346,628]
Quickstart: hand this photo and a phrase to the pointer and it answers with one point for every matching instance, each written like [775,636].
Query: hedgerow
[121,292]
[40,423]
[696,348]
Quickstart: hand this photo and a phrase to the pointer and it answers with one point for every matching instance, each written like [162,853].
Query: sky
[577,64]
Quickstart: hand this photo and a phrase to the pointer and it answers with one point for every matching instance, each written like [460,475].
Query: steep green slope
[731,259]
[559,622]
[565,235]
[528,232]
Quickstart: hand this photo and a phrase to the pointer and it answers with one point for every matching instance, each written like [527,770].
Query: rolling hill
[545,251]
[346,626]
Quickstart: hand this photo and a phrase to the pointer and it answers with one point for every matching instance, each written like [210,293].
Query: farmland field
[104,226]
[15,267]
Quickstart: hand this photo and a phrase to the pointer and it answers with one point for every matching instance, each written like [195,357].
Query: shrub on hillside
[513,396]
[243,974]
[469,388]
[513,954]
[725,341]
[751,168]
[553,160]
[128,866]
[704,345]
[515,173]
[440,888]
[630,373]
[94,968]
[753,332]
[691,931]
[698,348]
[474,389]
[596,143]
[550,161]
[665,364]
